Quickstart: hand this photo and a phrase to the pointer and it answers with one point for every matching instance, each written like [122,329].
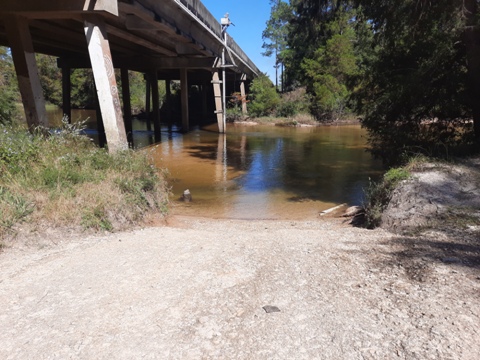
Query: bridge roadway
[165,39]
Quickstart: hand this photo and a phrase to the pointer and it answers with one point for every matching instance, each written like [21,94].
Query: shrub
[378,195]
[65,180]
[293,103]
[264,97]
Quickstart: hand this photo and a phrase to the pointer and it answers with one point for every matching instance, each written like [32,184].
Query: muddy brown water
[267,172]
[259,172]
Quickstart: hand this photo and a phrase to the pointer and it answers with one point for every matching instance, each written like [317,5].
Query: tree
[275,34]
[327,41]
[327,74]
[427,68]
[50,78]
[264,97]
[9,93]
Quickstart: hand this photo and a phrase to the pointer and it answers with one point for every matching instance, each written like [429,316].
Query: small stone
[187,196]
[270,308]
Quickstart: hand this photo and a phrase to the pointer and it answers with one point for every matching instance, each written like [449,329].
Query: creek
[267,172]
[261,171]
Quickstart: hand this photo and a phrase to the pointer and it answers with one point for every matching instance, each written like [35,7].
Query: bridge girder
[165,37]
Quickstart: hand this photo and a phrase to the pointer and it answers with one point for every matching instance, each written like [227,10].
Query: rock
[187,196]
[270,308]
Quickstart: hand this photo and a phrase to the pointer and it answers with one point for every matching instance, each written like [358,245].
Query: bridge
[164,39]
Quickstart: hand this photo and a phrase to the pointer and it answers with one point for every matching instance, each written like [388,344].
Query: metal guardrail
[202,15]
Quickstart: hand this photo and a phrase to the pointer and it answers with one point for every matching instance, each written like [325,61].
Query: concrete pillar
[184,99]
[155,105]
[217,93]
[23,54]
[127,107]
[168,102]
[148,97]
[106,84]
[67,93]
[102,140]
[243,94]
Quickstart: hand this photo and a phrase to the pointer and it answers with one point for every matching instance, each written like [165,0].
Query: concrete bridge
[165,39]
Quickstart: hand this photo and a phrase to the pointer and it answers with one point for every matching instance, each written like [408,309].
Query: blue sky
[249,17]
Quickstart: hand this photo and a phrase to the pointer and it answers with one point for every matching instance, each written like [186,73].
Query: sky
[249,17]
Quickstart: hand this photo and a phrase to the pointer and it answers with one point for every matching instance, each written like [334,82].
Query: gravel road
[232,289]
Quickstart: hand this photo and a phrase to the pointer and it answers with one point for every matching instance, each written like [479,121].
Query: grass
[378,195]
[64,180]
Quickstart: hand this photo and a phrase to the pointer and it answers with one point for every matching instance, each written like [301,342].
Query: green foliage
[83,89]
[97,219]
[420,74]
[327,75]
[276,32]
[13,207]
[264,97]
[50,78]
[378,195]
[137,91]
[65,179]
[17,149]
[8,87]
[293,103]
[328,45]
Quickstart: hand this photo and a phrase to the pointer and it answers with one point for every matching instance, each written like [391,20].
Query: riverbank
[297,120]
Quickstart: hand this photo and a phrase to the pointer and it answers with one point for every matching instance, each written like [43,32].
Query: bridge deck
[142,33]
[150,36]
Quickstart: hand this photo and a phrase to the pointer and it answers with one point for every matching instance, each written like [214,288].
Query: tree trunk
[472,43]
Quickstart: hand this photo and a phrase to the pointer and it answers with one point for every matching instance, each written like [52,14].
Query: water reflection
[267,172]
[257,172]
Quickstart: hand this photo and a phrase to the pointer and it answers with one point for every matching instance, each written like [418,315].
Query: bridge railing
[197,8]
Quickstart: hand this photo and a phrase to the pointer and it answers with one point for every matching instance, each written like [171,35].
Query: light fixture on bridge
[225,21]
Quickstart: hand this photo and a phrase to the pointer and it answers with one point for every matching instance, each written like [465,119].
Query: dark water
[264,172]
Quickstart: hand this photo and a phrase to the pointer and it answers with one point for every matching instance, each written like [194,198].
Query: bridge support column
[242,94]
[102,140]
[184,99]
[148,98]
[106,84]
[155,105]
[127,107]
[20,42]
[168,102]
[67,94]
[217,93]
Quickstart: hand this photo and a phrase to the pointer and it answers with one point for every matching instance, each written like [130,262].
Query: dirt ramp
[438,196]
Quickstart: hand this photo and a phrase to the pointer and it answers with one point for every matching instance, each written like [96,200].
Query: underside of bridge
[164,39]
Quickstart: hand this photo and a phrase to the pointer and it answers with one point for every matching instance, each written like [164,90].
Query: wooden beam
[145,62]
[159,21]
[106,84]
[184,99]
[46,9]
[139,41]
[20,42]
